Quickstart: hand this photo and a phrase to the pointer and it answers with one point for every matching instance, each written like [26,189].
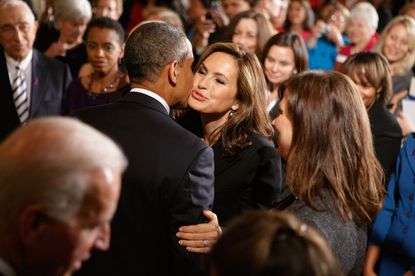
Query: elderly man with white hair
[59,188]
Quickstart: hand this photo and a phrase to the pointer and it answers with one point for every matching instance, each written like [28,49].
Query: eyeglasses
[340,18]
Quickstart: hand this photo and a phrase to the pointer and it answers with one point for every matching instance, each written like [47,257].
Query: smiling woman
[229,94]
[107,83]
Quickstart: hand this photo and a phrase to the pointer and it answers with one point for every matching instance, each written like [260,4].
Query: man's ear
[173,71]
[33,224]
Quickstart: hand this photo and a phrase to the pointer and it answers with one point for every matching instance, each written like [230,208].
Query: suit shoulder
[50,62]
[382,119]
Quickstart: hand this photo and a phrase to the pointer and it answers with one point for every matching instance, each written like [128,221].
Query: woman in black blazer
[371,73]
[229,107]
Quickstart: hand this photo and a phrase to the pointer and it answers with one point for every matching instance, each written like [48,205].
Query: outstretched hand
[200,238]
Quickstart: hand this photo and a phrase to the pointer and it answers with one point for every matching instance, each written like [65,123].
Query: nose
[103,238]
[17,35]
[202,82]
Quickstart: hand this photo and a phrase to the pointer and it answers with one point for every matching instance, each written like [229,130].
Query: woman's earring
[232,112]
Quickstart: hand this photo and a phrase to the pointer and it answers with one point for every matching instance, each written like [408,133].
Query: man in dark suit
[170,178]
[42,81]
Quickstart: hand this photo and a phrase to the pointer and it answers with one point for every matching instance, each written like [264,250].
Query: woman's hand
[200,238]
[372,255]
[406,126]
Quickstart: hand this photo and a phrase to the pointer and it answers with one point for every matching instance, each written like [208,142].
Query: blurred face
[283,126]
[215,86]
[106,8]
[196,10]
[233,7]
[338,19]
[411,13]
[17,31]
[367,92]
[358,31]
[279,64]
[63,246]
[396,44]
[72,31]
[246,35]
[104,49]
[296,13]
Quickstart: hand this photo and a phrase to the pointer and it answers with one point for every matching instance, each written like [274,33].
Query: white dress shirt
[25,65]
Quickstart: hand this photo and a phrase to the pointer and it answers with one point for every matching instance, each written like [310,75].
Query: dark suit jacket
[249,179]
[168,182]
[387,136]
[50,78]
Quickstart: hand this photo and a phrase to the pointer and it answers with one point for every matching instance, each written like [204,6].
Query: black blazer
[50,78]
[387,136]
[249,179]
[168,183]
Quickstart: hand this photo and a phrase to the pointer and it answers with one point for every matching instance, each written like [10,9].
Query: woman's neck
[210,123]
[296,28]
[359,47]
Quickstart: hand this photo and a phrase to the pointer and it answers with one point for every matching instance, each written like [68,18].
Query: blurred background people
[397,44]
[324,135]
[284,55]
[33,85]
[361,31]
[300,18]
[107,8]
[62,38]
[233,7]
[272,243]
[250,30]
[391,250]
[60,182]
[371,73]
[105,41]
[327,38]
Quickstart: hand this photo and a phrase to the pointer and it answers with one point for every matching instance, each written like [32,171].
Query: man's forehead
[16,14]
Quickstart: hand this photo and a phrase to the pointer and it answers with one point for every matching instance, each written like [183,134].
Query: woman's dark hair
[332,147]
[106,23]
[251,116]
[370,69]
[309,17]
[290,40]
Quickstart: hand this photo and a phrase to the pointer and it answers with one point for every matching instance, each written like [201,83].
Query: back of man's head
[48,162]
[151,47]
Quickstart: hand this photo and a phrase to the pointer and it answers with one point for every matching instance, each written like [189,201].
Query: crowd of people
[232,137]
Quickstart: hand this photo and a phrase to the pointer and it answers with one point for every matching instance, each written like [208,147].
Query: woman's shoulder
[381,119]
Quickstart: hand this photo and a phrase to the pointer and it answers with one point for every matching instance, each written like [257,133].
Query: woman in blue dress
[392,241]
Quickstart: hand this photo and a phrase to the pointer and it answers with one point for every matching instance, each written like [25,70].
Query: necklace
[105,90]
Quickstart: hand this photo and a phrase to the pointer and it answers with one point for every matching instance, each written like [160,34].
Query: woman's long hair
[251,116]
[332,145]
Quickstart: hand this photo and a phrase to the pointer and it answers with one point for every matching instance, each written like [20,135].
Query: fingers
[197,246]
[203,250]
[197,236]
[210,216]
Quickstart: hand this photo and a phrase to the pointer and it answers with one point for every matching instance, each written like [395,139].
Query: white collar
[154,96]
[24,63]
[6,269]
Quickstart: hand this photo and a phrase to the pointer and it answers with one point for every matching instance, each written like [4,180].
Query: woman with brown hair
[250,30]
[371,73]
[272,243]
[229,97]
[325,137]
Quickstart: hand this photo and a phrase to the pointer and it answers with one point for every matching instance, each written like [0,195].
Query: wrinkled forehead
[16,13]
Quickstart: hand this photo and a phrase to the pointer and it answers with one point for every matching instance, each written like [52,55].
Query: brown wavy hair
[332,145]
[251,117]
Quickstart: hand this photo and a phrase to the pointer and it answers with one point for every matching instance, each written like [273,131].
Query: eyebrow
[217,74]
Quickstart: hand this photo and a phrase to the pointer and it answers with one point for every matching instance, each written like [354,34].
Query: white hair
[49,162]
[13,3]
[72,10]
[366,12]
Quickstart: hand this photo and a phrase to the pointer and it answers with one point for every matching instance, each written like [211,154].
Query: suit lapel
[40,77]
[223,161]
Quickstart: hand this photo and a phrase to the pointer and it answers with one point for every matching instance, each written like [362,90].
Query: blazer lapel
[223,161]
[40,77]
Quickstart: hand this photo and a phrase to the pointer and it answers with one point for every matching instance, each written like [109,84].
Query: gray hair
[151,47]
[49,162]
[72,10]
[11,3]
[366,12]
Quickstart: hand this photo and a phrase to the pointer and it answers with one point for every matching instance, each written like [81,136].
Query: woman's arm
[372,255]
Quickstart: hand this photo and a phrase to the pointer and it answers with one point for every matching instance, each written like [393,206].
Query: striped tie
[20,96]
